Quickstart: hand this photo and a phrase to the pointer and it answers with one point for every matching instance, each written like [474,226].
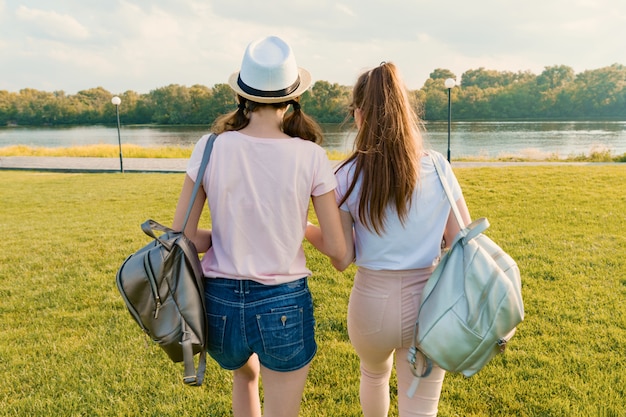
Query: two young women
[392,216]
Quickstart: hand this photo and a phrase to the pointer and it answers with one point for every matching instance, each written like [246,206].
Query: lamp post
[449,83]
[116,101]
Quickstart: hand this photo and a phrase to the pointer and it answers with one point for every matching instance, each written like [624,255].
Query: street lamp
[449,83]
[116,101]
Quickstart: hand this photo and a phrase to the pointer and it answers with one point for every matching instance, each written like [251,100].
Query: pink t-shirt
[258,192]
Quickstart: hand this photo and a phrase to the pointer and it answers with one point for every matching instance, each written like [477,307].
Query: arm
[201,238]
[452,226]
[328,238]
[314,235]
[347,226]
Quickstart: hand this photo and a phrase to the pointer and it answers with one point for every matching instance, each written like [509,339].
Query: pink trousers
[381,317]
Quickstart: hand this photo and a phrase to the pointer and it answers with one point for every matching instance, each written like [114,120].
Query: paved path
[72,164]
[164,165]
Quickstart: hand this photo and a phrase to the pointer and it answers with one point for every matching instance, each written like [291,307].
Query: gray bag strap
[203,165]
[191,377]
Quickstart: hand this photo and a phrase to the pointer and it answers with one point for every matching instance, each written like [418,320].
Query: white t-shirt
[417,243]
[258,192]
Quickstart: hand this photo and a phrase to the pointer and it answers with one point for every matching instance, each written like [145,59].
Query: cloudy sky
[140,45]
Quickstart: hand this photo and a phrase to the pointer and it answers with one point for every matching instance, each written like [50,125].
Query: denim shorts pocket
[366,311]
[282,332]
[217,330]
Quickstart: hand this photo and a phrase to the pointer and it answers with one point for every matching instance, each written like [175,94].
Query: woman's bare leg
[283,391]
[246,402]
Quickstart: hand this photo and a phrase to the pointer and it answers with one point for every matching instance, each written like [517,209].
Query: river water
[489,139]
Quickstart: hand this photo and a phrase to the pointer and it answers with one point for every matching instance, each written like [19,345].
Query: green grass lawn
[68,346]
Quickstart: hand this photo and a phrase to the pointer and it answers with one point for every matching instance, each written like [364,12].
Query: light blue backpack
[470,306]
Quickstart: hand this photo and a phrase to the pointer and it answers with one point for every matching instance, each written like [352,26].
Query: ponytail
[298,124]
[235,120]
[387,147]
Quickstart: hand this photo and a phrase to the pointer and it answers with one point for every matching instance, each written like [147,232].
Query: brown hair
[295,123]
[387,147]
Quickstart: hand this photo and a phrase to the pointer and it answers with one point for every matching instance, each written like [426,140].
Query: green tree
[556,93]
[134,109]
[417,99]
[326,102]
[31,106]
[171,104]
[554,77]
[550,85]
[7,108]
[223,101]
[435,95]
[599,92]
[483,78]
[200,98]
[441,74]
[475,102]
[517,100]
[94,103]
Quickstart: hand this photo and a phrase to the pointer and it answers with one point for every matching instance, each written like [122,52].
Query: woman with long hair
[395,215]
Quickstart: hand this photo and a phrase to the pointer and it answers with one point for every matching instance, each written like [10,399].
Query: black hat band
[262,93]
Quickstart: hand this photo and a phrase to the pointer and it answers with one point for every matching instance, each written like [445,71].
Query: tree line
[558,93]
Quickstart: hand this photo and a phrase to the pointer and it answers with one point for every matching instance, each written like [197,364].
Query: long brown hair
[295,123]
[387,147]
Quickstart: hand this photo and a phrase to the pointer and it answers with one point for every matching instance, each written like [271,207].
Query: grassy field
[68,346]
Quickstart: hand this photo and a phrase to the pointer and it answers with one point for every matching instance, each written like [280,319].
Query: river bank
[178,165]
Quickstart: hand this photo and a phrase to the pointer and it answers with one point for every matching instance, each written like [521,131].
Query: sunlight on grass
[336,155]
[595,154]
[99,151]
[69,347]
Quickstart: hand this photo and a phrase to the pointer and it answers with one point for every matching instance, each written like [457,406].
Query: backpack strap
[191,377]
[203,165]
[414,355]
[446,188]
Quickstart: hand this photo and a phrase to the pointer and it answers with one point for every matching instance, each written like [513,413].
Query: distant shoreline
[179,165]
[104,151]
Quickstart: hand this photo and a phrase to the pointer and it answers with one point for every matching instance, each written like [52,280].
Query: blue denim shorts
[274,321]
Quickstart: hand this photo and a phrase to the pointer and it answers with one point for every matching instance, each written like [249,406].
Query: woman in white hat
[264,169]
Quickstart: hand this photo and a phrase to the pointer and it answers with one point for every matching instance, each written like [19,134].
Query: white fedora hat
[269,73]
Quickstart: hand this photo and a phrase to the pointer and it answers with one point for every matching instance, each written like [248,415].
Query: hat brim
[305,83]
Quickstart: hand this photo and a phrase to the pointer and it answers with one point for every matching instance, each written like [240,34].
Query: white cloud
[344,10]
[50,24]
